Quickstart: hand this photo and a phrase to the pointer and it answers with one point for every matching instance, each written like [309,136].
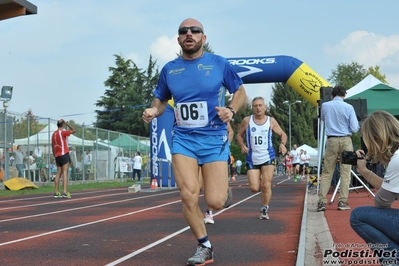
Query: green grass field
[71,188]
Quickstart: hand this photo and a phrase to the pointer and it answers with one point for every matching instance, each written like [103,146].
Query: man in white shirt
[302,159]
[238,165]
[87,162]
[306,167]
[295,161]
[137,162]
[31,161]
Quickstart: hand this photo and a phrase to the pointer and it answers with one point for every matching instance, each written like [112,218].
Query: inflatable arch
[260,69]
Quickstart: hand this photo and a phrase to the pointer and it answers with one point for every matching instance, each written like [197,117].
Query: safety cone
[153,183]
[156,183]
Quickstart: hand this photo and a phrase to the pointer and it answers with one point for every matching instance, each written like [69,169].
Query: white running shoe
[264,213]
[209,218]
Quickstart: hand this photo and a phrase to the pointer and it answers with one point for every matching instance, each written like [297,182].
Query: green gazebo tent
[380,97]
[129,144]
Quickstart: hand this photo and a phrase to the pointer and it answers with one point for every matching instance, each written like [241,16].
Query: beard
[191,51]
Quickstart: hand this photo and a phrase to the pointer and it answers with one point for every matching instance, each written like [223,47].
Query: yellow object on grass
[18,183]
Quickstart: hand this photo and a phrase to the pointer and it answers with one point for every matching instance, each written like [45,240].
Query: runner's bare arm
[241,133]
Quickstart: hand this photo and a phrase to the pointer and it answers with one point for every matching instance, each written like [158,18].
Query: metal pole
[6,157]
[95,161]
[289,119]
[28,161]
[83,155]
[49,152]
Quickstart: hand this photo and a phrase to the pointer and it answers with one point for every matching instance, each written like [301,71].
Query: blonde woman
[378,224]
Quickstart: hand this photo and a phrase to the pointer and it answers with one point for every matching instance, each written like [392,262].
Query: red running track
[114,227]
[344,238]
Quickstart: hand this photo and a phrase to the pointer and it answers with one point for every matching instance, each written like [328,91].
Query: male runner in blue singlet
[197,81]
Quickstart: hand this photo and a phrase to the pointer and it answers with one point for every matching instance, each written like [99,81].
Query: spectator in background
[40,162]
[12,161]
[33,167]
[301,163]
[59,144]
[302,158]
[117,166]
[19,160]
[38,152]
[74,161]
[340,121]
[87,159]
[30,163]
[137,162]
[295,156]
[31,157]
[238,166]
[53,168]
[281,165]
[232,168]
[30,160]
[288,165]
[2,158]
[87,162]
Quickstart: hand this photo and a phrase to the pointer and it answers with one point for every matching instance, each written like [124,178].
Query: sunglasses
[193,29]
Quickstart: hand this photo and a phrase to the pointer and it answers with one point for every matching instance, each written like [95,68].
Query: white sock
[207,244]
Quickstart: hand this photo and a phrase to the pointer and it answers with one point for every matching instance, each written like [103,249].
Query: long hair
[380,133]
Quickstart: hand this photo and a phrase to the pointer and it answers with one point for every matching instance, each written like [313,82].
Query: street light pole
[5,151]
[289,118]
[5,96]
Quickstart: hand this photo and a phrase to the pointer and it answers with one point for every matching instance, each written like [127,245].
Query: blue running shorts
[204,148]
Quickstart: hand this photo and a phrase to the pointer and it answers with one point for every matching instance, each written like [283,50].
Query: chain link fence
[111,151]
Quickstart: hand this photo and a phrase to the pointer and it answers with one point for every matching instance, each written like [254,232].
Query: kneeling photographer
[378,224]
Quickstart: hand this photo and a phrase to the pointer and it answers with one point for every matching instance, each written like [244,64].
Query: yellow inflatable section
[281,68]
[307,83]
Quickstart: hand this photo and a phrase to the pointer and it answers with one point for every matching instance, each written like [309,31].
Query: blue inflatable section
[161,139]
[259,69]
[266,69]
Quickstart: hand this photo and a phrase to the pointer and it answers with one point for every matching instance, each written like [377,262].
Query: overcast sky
[57,61]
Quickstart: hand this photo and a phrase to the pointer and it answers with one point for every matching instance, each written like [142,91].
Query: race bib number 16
[191,114]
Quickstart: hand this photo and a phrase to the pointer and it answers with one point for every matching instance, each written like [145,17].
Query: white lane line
[58,201]
[81,208]
[282,181]
[137,252]
[75,193]
[85,224]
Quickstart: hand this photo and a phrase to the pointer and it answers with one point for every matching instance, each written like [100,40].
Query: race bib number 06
[191,114]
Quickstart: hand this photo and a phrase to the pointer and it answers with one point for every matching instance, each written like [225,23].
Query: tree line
[129,90]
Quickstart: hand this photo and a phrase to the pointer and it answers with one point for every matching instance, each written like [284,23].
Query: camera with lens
[350,157]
